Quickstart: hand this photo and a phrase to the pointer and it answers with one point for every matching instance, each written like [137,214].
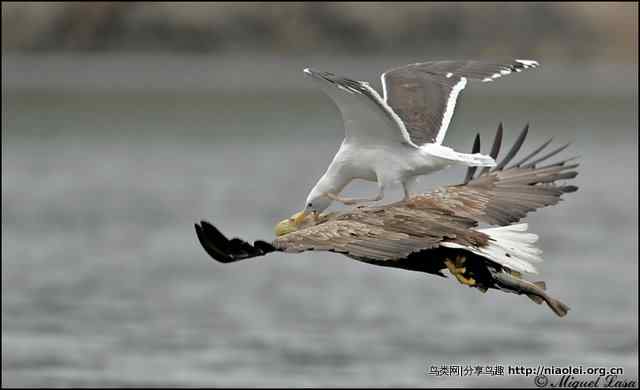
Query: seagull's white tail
[510,246]
[453,157]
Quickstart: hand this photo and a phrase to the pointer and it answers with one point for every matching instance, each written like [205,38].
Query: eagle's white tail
[510,246]
[453,157]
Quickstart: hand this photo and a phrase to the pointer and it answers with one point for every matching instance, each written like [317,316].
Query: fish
[534,290]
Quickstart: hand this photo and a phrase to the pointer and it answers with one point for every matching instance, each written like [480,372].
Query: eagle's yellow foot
[458,271]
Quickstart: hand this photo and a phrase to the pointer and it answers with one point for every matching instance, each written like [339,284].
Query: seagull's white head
[317,201]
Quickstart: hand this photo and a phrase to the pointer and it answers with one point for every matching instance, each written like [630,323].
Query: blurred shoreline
[570,32]
[249,73]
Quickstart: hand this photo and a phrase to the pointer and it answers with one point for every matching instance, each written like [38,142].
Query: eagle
[439,230]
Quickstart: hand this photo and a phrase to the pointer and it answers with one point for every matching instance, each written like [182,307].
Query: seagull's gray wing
[424,94]
[368,120]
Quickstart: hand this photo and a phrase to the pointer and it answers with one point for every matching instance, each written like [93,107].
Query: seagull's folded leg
[409,187]
[352,201]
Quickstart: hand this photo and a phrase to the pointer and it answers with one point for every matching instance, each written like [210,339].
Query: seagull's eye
[309,205]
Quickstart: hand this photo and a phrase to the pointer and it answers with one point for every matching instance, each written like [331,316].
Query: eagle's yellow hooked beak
[299,217]
[290,224]
[293,223]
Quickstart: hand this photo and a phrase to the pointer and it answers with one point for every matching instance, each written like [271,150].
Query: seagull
[437,231]
[397,137]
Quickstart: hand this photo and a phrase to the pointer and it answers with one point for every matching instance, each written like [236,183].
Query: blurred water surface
[104,282]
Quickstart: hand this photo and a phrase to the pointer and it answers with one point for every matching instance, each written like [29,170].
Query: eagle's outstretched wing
[505,195]
[385,233]
[373,234]
[499,197]
[224,250]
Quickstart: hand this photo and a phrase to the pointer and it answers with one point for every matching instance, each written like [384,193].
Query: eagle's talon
[458,272]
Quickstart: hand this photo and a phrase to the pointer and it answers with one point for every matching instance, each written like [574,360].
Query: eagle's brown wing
[505,195]
[385,233]
[391,232]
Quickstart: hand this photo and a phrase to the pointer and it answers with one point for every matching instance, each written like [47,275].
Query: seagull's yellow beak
[291,224]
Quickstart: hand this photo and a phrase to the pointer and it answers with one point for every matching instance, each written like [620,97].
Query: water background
[107,161]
